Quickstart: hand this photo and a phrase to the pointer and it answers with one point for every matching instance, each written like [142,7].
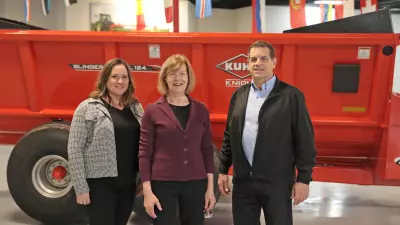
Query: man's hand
[300,192]
[223,184]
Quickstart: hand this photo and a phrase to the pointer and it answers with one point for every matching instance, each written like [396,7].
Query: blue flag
[327,12]
[259,16]
[27,10]
[46,7]
[203,8]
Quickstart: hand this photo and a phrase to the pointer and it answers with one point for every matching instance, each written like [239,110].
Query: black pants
[248,198]
[182,202]
[111,201]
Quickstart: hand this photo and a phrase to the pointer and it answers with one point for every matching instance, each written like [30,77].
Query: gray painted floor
[328,204]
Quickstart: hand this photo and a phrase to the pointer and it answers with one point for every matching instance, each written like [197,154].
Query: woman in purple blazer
[175,152]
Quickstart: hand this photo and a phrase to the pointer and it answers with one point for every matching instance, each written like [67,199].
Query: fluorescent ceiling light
[328,2]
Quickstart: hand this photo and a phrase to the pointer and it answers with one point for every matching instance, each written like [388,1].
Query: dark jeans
[182,202]
[248,198]
[111,202]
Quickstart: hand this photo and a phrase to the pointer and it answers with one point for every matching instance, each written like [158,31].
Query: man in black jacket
[268,134]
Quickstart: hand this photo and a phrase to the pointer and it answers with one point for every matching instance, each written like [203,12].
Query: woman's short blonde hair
[172,64]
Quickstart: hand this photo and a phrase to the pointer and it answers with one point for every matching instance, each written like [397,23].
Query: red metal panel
[226,67]
[61,86]
[29,67]
[12,76]
[353,146]
[392,165]
[316,79]
[206,38]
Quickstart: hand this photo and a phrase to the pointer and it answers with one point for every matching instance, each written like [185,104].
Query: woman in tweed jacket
[103,146]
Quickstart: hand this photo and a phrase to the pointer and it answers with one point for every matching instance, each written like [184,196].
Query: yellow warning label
[354,109]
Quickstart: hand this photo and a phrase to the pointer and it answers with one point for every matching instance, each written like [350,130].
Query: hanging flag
[259,16]
[168,6]
[27,10]
[348,8]
[140,22]
[297,13]
[367,6]
[203,8]
[46,7]
[339,11]
[326,12]
[70,2]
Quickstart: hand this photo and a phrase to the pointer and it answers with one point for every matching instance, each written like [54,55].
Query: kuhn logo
[397,161]
[236,66]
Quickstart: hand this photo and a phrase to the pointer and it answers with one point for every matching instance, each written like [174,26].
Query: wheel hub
[59,172]
[50,176]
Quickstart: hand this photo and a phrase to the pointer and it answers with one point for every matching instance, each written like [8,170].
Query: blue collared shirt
[254,103]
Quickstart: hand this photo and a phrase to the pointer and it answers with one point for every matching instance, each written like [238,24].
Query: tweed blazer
[91,143]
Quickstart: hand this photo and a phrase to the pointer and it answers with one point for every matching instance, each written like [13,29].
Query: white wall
[239,20]
[186,9]
[2,7]
[396,78]
[78,15]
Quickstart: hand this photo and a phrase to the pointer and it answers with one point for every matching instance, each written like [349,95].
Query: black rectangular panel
[346,78]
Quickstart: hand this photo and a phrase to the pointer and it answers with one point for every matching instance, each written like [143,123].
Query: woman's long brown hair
[101,90]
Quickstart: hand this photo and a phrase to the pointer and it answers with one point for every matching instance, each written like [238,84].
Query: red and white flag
[339,11]
[346,9]
[367,6]
[169,12]
[297,13]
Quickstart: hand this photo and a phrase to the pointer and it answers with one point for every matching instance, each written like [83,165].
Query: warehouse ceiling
[235,4]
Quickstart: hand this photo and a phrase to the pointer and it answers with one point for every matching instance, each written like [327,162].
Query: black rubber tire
[47,139]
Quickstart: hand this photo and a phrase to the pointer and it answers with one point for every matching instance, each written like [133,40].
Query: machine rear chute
[381,156]
[379,22]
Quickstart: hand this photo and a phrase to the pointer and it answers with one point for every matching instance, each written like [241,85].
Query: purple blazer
[169,153]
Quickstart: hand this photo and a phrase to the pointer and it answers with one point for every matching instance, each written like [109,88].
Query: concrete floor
[328,204]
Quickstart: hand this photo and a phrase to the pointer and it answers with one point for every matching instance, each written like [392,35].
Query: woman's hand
[209,200]
[149,201]
[83,199]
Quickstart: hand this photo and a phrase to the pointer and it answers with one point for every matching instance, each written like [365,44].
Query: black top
[181,113]
[127,134]
[285,138]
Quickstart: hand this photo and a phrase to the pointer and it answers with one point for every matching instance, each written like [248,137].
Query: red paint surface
[353,147]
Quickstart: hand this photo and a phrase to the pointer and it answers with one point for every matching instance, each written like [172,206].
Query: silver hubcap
[50,176]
